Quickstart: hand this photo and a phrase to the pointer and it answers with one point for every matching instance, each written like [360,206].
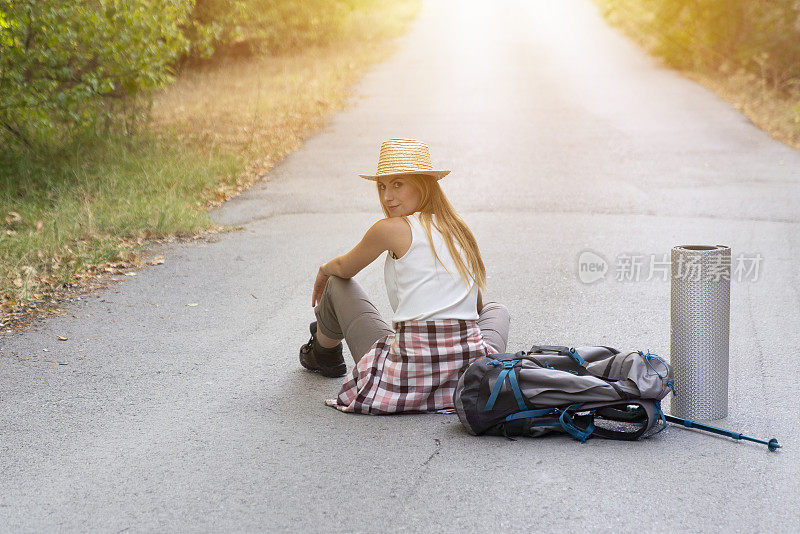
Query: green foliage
[213,22]
[273,26]
[70,65]
[759,36]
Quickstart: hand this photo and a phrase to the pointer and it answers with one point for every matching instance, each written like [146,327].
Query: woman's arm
[378,239]
[384,235]
[480,301]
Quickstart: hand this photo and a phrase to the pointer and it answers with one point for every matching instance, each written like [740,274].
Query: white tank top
[420,289]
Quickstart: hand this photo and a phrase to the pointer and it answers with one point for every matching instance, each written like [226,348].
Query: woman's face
[398,195]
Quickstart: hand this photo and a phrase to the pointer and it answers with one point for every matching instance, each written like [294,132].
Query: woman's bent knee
[496,310]
[334,281]
[336,285]
[494,324]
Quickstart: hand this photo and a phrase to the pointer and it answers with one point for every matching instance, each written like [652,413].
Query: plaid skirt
[414,369]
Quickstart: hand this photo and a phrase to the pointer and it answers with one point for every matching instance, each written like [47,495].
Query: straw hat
[405,156]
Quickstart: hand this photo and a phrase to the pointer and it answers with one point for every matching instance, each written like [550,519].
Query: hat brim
[433,174]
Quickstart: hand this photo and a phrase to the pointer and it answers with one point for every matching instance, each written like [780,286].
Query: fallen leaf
[130,274]
[192,304]
[39,225]
[62,363]
[158,260]
[61,338]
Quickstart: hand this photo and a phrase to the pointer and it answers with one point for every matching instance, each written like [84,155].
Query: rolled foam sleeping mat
[700,303]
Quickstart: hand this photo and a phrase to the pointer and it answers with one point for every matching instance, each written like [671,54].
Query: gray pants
[345,312]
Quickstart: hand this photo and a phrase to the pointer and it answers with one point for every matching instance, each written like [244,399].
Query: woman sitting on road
[434,275]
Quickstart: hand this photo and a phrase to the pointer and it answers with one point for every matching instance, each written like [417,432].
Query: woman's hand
[319,286]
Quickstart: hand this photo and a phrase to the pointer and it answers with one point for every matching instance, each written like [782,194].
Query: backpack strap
[580,427]
[564,351]
[525,414]
[646,415]
[621,392]
[568,424]
[507,371]
[541,349]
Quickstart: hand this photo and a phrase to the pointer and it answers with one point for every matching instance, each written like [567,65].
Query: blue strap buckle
[577,357]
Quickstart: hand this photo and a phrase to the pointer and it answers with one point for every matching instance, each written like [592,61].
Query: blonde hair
[452,227]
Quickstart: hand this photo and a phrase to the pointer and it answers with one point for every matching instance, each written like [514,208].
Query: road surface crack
[434,453]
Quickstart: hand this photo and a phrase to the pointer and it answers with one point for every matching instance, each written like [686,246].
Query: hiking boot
[327,362]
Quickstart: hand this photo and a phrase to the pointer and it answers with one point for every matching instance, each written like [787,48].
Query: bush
[70,65]
[269,26]
[77,67]
[758,36]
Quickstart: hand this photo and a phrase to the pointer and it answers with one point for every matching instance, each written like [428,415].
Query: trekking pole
[772,444]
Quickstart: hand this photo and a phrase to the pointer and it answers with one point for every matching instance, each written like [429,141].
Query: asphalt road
[562,137]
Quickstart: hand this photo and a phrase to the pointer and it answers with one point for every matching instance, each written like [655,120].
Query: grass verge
[75,215]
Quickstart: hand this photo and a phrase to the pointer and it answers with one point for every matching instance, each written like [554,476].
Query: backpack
[585,391]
